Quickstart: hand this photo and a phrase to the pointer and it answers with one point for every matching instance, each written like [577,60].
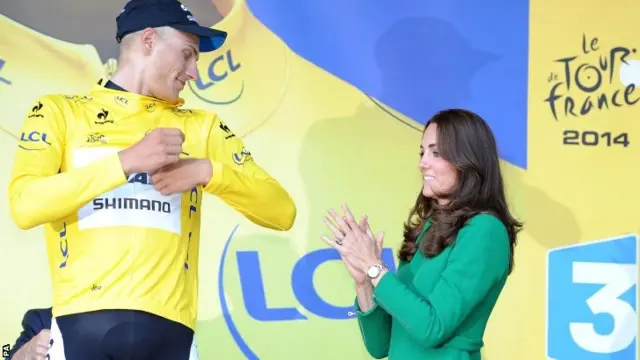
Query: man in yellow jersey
[117,176]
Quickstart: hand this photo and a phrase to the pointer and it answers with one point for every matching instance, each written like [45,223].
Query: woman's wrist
[374,282]
[364,295]
[368,264]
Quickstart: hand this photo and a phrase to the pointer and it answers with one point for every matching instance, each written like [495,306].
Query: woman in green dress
[456,255]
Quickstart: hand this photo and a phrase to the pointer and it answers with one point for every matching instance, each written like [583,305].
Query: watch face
[373,271]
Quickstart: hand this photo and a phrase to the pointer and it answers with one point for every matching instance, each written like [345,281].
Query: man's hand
[182,176]
[36,348]
[158,148]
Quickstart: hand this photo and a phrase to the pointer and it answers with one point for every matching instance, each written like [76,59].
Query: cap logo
[189,16]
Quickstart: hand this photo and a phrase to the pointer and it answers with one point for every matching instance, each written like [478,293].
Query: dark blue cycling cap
[140,14]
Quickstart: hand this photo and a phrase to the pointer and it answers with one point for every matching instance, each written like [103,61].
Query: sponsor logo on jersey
[229,134]
[103,118]
[79,99]
[136,203]
[35,111]
[132,204]
[241,157]
[182,112]
[34,141]
[93,138]
[121,100]
[64,246]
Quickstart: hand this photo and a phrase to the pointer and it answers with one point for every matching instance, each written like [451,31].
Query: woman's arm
[478,262]
[375,323]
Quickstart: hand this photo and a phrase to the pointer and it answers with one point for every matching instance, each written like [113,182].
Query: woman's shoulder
[483,225]
[485,239]
[485,220]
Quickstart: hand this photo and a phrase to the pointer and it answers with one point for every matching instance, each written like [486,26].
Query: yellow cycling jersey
[115,242]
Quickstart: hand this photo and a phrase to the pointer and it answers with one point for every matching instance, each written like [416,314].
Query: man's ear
[149,40]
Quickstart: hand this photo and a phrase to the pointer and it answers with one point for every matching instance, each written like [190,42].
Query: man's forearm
[39,200]
[258,197]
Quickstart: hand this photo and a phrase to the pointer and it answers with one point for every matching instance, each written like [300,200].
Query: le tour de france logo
[589,81]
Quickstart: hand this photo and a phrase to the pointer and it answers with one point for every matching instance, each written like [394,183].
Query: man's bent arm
[245,186]
[38,192]
[34,321]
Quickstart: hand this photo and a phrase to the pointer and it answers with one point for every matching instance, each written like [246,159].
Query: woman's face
[439,175]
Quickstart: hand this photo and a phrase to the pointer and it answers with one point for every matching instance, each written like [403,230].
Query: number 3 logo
[617,279]
[592,297]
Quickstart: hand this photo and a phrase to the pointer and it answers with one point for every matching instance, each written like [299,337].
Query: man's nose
[192,72]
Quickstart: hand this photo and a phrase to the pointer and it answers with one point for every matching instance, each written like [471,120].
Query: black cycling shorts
[120,335]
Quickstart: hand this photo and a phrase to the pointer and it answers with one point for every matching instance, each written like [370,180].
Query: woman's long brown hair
[467,142]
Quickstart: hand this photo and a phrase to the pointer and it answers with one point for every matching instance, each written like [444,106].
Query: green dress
[438,308]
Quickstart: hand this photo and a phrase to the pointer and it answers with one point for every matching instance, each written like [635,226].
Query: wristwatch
[375,270]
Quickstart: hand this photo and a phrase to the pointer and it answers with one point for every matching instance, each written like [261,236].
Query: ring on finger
[339,242]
